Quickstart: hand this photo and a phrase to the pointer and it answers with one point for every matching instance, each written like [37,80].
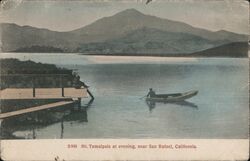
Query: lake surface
[220,110]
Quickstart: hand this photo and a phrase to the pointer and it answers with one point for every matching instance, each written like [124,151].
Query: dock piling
[33,86]
[79,102]
[62,91]
[34,92]
[91,95]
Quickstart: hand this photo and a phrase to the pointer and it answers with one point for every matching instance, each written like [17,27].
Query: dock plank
[36,108]
[42,93]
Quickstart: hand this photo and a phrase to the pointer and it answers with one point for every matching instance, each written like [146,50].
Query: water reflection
[26,126]
[152,104]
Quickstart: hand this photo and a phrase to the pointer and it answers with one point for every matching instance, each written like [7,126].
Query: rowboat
[175,97]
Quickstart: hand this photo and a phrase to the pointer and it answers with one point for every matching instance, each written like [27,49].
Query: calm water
[220,110]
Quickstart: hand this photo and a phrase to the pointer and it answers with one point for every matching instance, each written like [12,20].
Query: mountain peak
[130,11]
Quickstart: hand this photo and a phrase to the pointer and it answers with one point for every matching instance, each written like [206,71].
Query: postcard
[124,80]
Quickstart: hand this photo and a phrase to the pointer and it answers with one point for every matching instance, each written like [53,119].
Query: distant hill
[40,49]
[129,31]
[14,37]
[236,49]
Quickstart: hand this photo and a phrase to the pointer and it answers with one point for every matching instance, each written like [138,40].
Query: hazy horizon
[70,15]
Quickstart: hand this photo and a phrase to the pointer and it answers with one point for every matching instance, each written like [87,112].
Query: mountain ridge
[133,19]
[117,27]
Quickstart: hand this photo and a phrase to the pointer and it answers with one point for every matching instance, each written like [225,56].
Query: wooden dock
[42,93]
[33,109]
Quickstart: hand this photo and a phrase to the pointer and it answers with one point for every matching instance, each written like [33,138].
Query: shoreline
[128,55]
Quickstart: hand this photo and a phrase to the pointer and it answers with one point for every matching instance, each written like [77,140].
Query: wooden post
[62,85]
[33,133]
[34,92]
[79,102]
[62,91]
[91,95]
[62,128]
[33,85]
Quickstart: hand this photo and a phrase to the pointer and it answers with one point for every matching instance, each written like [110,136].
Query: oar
[143,97]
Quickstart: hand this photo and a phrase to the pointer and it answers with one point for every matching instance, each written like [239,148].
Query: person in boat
[151,93]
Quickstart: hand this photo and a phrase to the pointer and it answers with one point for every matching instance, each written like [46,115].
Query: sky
[67,15]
